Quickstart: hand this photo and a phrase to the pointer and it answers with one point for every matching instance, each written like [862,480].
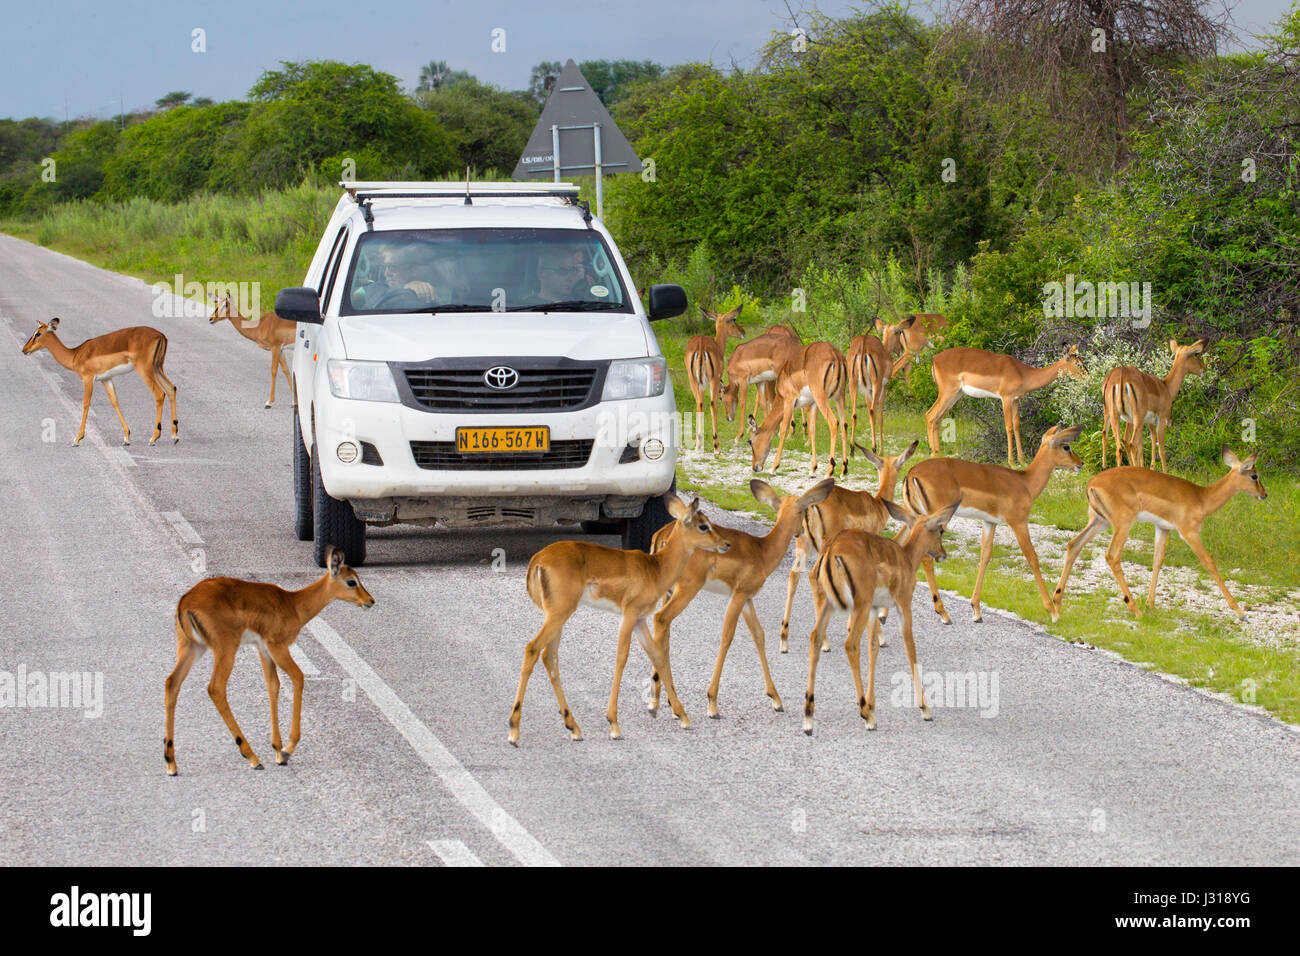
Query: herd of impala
[857,572]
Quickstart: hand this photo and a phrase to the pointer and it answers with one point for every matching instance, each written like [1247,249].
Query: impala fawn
[223,614]
[862,573]
[568,573]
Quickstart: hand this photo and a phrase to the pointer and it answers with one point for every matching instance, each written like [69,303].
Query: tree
[307,113]
[489,127]
[610,79]
[1084,57]
[174,98]
[437,75]
[542,78]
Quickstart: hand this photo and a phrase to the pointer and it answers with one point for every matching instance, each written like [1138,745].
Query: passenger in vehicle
[562,276]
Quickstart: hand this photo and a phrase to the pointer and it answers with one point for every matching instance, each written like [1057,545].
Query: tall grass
[267,238]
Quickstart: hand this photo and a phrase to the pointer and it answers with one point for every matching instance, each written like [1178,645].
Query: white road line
[454,853]
[298,654]
[122,455]
[522,844]
[183,528]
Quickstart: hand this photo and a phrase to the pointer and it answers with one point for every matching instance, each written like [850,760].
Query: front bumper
[614,481]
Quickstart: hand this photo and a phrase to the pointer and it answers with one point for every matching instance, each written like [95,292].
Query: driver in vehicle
[401,285]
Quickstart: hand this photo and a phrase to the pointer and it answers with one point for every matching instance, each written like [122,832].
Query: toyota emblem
[501,377]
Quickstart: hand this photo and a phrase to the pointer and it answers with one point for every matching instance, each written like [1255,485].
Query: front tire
[639,531]
[302,489]
[335,524]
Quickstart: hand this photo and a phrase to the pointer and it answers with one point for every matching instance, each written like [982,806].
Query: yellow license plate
[502,441]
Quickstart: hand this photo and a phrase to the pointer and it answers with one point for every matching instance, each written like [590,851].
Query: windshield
[483,270]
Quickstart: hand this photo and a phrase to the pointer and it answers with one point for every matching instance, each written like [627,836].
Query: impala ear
[871,456]
[763,492]
[1173,346]
[880,326]
[1199,346]
[676,507]
[940,521]
[734,313]
[1050,434]
[817,493]
[1249,463]
[54,323]
[911,450]
[1064,437]
[898,514]
[1229,459]
[334,561]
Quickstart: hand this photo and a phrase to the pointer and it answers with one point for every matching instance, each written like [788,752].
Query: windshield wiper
[452,307]
[569,305]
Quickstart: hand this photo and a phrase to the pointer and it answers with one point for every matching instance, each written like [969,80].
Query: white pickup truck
[476,355]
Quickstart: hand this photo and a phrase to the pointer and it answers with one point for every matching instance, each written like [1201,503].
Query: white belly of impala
[717,587]
[882,598]
[252,637]
[113,372]
[805,398]
[1147,517]
[762,377]
[974,392]
[978,515]
[604,604]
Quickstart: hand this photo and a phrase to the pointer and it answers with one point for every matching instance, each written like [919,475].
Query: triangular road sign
[573,103]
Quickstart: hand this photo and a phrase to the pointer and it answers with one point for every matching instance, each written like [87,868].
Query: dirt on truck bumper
[603,462]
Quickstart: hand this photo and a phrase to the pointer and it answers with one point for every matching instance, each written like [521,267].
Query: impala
[869,372]
[843,510]
[568,573]
[740,572]
[1132,396]
[814,378]
[983,374]
[905,339]
[994,495]
[704,362]
[756,363]
[271,333]
[1119,497]
[862,573]
[223,614]
[106,356]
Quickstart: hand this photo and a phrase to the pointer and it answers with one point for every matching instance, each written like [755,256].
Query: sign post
[561,142]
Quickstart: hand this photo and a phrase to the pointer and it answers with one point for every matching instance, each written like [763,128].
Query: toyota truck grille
[443,389]
[443,456]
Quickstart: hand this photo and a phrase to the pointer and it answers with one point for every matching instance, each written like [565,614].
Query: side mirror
[666,301]
[299,305]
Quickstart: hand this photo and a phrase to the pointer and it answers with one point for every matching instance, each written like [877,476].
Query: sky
[75,58]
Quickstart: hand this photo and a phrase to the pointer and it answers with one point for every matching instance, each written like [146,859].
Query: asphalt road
[1077,758]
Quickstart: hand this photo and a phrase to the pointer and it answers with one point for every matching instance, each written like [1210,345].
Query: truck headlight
[635,378]
[362,381]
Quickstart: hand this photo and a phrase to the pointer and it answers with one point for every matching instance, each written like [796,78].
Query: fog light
[653,449]
[347,452]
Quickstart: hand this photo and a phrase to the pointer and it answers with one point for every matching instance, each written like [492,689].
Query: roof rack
[415,190]
[363,192]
